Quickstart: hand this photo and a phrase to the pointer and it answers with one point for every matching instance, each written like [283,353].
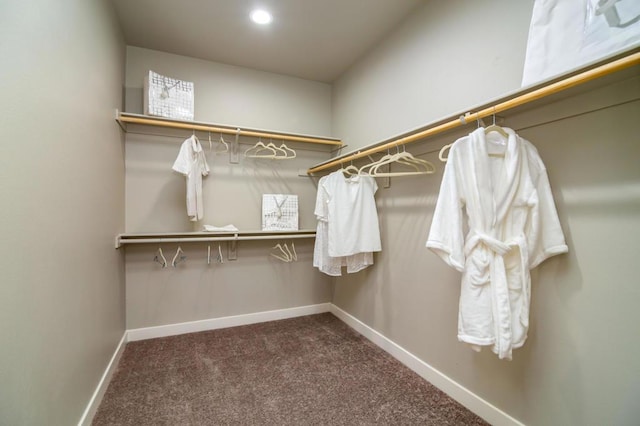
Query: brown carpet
[311,370]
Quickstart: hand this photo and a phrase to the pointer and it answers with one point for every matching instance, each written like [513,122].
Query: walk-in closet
[335,212]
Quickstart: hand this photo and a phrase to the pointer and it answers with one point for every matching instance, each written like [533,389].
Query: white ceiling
[311,39]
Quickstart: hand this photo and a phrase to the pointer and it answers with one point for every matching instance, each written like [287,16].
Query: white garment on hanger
[352,214]
[191,162]
[513,226]
[321,259]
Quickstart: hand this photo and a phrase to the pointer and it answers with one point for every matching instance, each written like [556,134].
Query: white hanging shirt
[321,259]
[352,214]
[513,226]
[191,162]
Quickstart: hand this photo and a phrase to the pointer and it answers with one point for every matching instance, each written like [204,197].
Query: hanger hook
[494,115]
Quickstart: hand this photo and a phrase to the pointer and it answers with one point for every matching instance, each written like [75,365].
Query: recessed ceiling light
[261,17]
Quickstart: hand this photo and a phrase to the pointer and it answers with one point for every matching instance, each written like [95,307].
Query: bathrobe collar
[503,190]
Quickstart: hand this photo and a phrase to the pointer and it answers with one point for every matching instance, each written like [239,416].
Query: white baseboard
[464,396]
[224,322]
[96,398]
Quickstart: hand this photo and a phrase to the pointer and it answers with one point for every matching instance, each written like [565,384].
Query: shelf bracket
[122,125]
[233,152]
[232,250]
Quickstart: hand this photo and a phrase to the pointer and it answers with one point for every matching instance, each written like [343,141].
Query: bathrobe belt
[500,287]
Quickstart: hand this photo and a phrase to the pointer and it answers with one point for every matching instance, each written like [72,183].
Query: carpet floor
[311,370]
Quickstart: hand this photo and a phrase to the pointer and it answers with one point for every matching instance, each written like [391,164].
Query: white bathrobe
[512,226]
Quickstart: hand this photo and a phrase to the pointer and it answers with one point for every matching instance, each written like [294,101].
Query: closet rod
[121,242]
[159,122]
[608,68]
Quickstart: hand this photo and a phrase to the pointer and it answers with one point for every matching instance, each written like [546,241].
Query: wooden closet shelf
[204,237]
[124,118]
[518,98]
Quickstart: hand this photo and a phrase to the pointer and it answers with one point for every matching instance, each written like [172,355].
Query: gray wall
[62,191]
[155,195]
[447,56]
[581,363]
[228,94]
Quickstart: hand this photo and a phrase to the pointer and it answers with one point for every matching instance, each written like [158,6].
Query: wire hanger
[494,127]
[283,255]
[179,257]
[255,151]
[291,256]
[225,146]
[367,167]
[288,151]
[350,170]
[281,153]
[159,258]
[445,148]
[496,148]
[219,258]
[418,166]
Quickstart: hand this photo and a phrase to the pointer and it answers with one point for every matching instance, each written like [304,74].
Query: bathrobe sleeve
[543,232]
[446,235]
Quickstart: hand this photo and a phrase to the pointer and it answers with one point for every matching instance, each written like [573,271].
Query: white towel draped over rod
[525,96]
